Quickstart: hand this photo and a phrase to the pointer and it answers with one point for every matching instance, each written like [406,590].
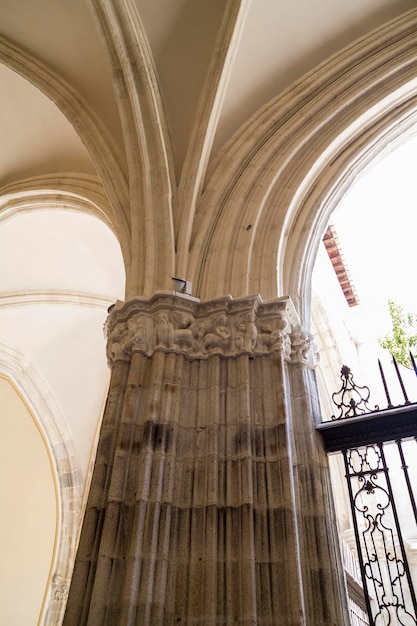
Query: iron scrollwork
[351,399]
[390,595]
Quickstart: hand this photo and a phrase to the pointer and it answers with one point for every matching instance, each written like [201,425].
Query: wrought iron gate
[379,449]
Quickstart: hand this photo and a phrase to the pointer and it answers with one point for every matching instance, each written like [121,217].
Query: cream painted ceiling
[280,41]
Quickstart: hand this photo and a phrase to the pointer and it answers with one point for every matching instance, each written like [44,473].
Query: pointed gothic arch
[275,184]
[35,393]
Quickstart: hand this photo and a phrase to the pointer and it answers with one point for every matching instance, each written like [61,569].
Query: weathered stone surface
[185,325]
[207,484]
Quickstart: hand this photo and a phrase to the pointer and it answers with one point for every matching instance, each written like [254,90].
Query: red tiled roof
[331,243]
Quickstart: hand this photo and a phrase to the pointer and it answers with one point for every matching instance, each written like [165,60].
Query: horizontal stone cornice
[53,296]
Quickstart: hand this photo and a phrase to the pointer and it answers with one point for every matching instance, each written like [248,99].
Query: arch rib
[148,150]
[247,216]
[205,124]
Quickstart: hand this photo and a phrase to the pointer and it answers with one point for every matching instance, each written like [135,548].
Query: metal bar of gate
[404,467]
[399,535]
[357,539]
[386,572]
[358,430]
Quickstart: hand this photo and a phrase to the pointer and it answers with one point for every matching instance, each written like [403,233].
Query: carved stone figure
[136,327]
[117,340]
[184,334]
[218,337]
[300,344]
[164,331]
[247,332]
[251,332]
[271,338]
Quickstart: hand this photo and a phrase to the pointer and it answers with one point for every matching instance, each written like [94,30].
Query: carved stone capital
[225,326]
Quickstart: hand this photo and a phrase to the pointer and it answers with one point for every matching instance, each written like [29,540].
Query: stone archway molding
[68,478]
[66,190]
[276,182]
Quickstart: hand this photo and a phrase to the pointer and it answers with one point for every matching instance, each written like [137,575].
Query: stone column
[209,501]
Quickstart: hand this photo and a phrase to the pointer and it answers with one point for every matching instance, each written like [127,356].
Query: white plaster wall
[49,249]
[65,345]
[60,272]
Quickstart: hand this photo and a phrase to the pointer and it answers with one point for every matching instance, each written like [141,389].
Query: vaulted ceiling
[279,42]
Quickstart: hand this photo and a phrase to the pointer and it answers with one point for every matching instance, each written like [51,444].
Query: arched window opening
[366,259]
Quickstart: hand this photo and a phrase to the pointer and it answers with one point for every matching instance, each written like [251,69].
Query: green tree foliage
[403,336]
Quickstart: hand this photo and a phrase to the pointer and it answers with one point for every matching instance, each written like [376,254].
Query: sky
[376,223]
